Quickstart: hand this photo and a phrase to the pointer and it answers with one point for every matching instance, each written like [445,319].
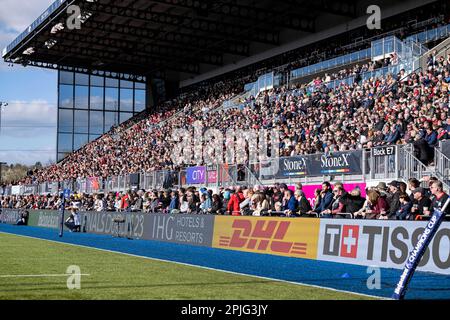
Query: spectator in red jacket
[125,203]
[233,205]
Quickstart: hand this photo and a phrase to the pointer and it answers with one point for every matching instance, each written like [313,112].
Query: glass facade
[88,106]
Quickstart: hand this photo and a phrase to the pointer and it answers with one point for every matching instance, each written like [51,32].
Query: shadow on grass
[88,285]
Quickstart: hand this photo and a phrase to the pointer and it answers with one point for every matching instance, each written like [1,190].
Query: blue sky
[29,121]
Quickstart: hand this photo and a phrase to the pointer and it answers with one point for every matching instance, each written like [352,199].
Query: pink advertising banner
[212,176]
[309,190]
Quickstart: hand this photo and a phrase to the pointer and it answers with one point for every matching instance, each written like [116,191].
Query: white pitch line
[42,275]
[202,267]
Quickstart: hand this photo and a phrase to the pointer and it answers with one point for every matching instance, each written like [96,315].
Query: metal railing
[344,215]
[381,167]
[251,178]
[117,183]
[410,166]
[399,164]
[379,47]
[331,64]
[442,169]
[431,35]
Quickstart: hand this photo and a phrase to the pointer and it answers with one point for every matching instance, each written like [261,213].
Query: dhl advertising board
[279,236]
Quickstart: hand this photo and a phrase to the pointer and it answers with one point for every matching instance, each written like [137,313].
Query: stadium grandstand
[362,94]
[359,117]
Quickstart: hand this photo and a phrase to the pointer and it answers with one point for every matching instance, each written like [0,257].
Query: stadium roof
[168,38]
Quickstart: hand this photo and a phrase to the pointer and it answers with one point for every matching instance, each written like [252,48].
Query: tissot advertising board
[382,243]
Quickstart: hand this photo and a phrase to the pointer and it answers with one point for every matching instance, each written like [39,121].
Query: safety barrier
[382,47]
[378,163]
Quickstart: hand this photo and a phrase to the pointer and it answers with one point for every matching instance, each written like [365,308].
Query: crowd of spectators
[393,201]
[391,110]
[31,202]
[395,109]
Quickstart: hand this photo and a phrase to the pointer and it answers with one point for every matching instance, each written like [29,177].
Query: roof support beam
[142,49]
[234,31]
[276,17]
[142,62]
[185,41]
[340,8]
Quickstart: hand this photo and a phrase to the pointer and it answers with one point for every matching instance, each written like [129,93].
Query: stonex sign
[278,236]
[336,163]
[292,167]
[382,243]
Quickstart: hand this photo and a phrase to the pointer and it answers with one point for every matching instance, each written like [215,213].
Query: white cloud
[15,17]
[28,158]
[28,126]
[18,15]
[32,113]
[5,39]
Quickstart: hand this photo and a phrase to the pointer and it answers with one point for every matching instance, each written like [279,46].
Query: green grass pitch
[119,276]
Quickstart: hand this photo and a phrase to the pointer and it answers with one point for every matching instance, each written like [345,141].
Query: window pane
[65,120]
[93,137]
[139,85]
[139,102]
[388,46]
[111,99]
[65,96]
[110,120]
[66,77]
[61,156]
[82,79]
[96,122]
[64,142]
[126,100]
[79,140]
[97,81]
[110,82]
[126,84]
[81,121]
[97,98]
[125,116]
[81,97]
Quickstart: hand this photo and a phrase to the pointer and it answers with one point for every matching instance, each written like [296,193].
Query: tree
[15,172]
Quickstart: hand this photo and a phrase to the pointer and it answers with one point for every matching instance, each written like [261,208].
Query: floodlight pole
[2,104]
